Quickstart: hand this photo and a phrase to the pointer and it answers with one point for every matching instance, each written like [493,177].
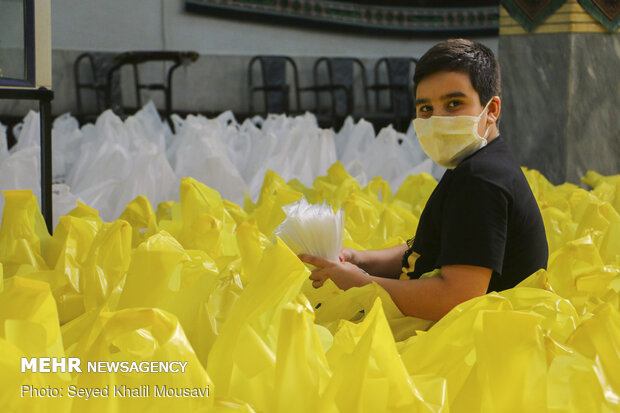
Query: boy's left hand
[344,274]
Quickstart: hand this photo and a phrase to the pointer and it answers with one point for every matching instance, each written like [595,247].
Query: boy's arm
[432,298]
[382,263]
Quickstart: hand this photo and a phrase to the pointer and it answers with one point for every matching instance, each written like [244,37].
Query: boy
[481,226]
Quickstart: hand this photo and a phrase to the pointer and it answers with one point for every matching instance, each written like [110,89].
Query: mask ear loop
[486,133]
[486,107]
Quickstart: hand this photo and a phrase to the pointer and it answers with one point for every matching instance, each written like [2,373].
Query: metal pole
[46,161]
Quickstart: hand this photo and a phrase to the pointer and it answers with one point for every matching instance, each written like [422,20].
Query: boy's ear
[495,108]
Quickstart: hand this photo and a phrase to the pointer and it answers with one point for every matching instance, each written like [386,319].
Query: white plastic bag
[100,161]
[324,154]
[393,156]
[353,141]
[384,157]
[312,229]
[146,124]
[343,135]
[21,170]
[120,161]
[27,133]
[291,147]
[103,196]
[151,176]
[202,155]
[241,148]
[63,202]
[258,163]
[66,145]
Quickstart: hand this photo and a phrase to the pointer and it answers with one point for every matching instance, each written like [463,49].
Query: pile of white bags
[109,163]
[199,150]
[118,161]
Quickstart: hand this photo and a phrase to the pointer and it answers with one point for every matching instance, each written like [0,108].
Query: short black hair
[464,56]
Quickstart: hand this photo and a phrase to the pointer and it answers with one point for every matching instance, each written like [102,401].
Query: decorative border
[533,16]
[570,18]
[607,14]
[543,10]
[396,20]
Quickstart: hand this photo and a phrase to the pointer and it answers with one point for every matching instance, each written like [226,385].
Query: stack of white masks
[312,229]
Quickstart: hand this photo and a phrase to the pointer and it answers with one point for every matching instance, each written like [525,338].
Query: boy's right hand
[349,255]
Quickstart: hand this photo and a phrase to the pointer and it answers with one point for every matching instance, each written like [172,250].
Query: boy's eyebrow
[444,97]
[453,95]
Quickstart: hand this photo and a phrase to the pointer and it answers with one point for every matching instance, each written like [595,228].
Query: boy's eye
[454,103]
[425,108]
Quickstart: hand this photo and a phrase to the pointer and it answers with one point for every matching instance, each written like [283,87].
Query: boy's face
[451,94]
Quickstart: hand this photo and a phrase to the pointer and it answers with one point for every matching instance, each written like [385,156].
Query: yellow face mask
[448,140]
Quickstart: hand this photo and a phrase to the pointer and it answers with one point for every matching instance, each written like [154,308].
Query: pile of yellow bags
[202,282]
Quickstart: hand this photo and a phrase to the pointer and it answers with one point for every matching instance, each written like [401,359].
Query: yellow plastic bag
[599,220]
[559,316]
[274,194]
[170,218]
[485,344]
[141,336]
[576,272]
[106,265]
[447,349]
[414,192]
[577,384]
[333,307]
[203,212]
[301,371]
[13,382]
[140,215]
[251,243]
[362,215]
[29,328]
[598,338]
[164,275]
[559,227]
[242,361]
[606,188]
[217,307]
[510,354]
[68,257]
[380,189]
[23,235]
[369,375]
[29,318]
[336,187]
[396,225]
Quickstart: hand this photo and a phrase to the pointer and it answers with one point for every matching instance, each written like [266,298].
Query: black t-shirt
[482,213]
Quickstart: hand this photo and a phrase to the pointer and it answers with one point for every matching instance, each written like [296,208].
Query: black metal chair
[136,58]
[397,71]
[339,85]
[105,82]
[274,87]
[90,71]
